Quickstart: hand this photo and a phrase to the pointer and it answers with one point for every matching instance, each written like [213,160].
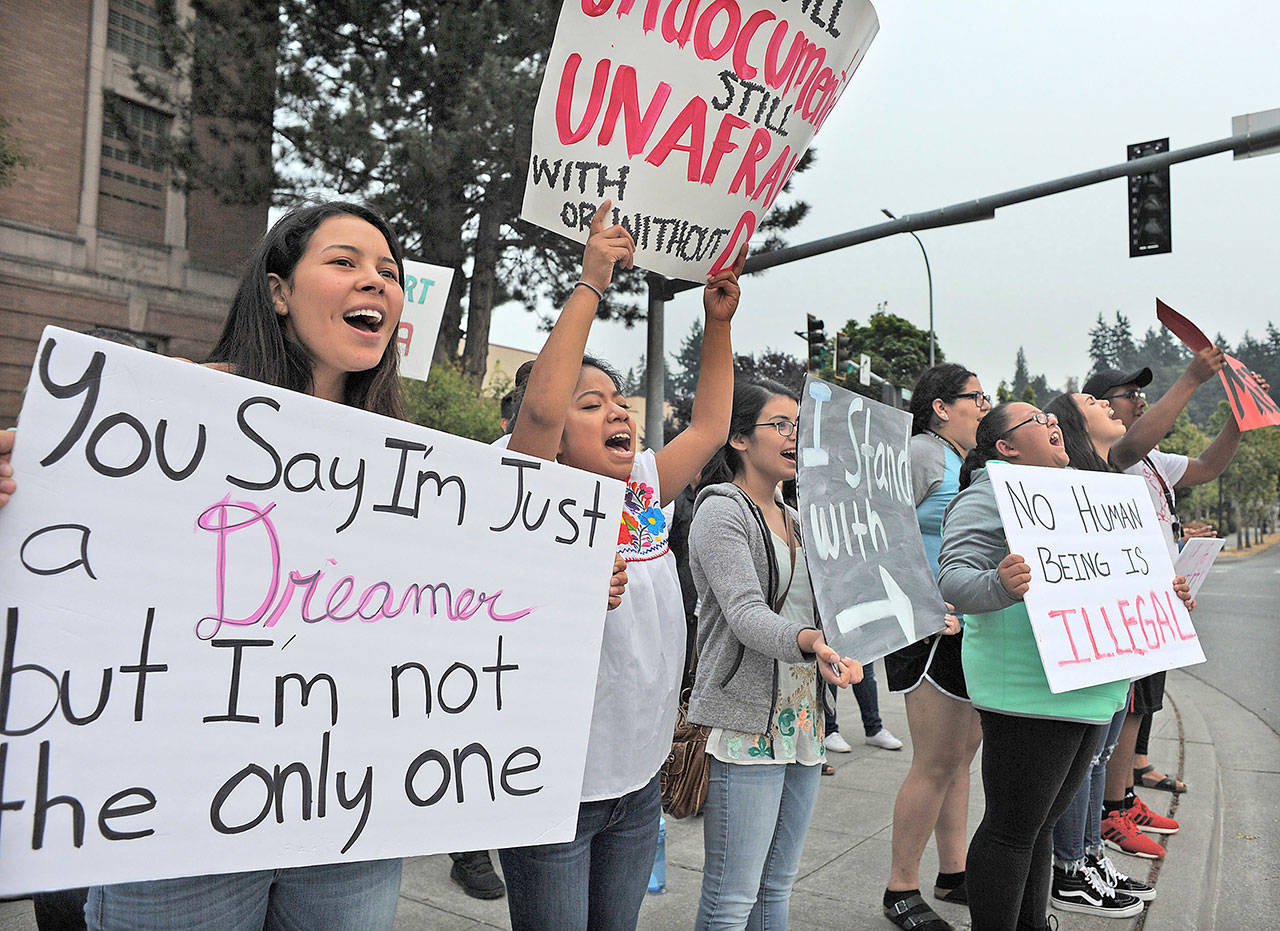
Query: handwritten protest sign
[875,590]
[426,290]
[1196,559]
[247,628]
[1101,600]
[689,116]
[1250,405]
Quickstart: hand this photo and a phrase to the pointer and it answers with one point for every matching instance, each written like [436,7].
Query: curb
[1188,877]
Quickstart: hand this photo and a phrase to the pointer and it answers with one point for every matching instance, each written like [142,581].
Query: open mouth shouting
[1055,437]
[365,319]
[619,443]
[789,454]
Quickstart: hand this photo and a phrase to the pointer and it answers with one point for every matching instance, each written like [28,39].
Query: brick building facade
[92,233]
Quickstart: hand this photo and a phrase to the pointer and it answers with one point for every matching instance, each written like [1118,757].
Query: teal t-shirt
[1002,672]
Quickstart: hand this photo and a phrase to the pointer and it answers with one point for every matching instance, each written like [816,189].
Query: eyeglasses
[979,398]
[1132,395]
[784,427]
[1039,417]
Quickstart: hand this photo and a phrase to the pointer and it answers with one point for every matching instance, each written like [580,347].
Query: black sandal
[1167,784]
[914,914]
[957,895]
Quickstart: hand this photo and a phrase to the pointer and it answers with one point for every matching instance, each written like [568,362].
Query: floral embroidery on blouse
[796,731]
[643,534]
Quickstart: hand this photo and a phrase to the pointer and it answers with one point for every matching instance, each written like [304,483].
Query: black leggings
[1144,736]
[1031,768]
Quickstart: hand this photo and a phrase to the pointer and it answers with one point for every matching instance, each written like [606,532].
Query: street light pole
[928,274]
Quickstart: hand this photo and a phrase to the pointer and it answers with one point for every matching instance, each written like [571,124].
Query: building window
[133,30]
[132,185]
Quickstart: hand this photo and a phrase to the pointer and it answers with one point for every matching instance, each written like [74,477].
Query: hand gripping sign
[245,628]
[1101,600]
[689,114]
[871,578]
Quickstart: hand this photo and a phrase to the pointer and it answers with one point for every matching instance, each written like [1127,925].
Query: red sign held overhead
[1251,406]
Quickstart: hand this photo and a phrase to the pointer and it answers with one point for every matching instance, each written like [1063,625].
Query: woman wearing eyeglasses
[759,659]
[947,405]
[1037,745]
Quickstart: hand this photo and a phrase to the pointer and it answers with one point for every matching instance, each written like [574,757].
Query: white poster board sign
[426,290]
[1196,559]
[1101,600]
[246,628]
[690,117]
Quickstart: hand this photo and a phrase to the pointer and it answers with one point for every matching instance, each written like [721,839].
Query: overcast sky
[959,100]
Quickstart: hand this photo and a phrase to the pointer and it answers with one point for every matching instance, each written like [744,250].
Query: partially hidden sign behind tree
[1250,405]
[246,628]
[874,588]
[426,291]
[690,117]
[1101,600]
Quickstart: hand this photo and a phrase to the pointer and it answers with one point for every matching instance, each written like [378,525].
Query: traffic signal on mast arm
[1150,230]
[815,335]
[844,366]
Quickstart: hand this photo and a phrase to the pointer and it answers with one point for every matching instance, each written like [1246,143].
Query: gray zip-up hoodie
[740,637]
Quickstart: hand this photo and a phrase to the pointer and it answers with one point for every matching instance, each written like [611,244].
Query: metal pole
[984,208]
[928,274]
[655,369]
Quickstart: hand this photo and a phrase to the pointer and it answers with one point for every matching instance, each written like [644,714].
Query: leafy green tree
[423,110]
[448,401]
[899,351]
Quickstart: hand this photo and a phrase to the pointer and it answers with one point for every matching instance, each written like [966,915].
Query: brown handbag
[685,772]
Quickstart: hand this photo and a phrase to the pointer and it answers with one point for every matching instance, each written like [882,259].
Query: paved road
[1238,619]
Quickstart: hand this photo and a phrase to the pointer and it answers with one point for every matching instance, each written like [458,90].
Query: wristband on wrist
[599,293]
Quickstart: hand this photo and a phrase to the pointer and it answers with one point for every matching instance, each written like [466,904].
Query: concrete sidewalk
[846,857]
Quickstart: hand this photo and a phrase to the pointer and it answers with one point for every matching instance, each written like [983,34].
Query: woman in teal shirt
[1038,745]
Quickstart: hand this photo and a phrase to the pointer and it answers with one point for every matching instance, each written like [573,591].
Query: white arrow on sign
[896,605]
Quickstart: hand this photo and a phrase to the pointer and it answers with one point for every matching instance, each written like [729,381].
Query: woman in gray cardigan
[759,658]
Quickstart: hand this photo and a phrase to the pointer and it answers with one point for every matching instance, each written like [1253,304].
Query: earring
[943,417]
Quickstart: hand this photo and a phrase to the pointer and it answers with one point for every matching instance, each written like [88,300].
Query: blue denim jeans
[1079,830]
[755,822]
[597,880]
[335,896]
[868,704]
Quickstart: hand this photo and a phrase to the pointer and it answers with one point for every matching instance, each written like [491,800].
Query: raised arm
[1157,420]
[681,459]
[555,373]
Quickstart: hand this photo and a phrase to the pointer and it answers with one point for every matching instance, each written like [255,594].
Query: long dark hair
[990,429]
[940,383]
[1075,435]
[749,398]
[255,342]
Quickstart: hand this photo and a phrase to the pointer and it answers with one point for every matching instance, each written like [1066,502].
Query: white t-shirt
[642,654]
[1172,467]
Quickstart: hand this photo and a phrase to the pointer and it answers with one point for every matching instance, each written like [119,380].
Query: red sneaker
[1147,820]
[1120,833]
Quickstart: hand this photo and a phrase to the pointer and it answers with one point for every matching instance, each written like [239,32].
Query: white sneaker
[836,743]
[884,740]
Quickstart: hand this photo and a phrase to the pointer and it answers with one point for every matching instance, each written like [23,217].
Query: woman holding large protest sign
[947,404]
[572,410]
[315,312]
[1038,744]
[1084,878]
[759,661]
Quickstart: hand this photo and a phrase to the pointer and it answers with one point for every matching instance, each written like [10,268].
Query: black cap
[1101,382]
